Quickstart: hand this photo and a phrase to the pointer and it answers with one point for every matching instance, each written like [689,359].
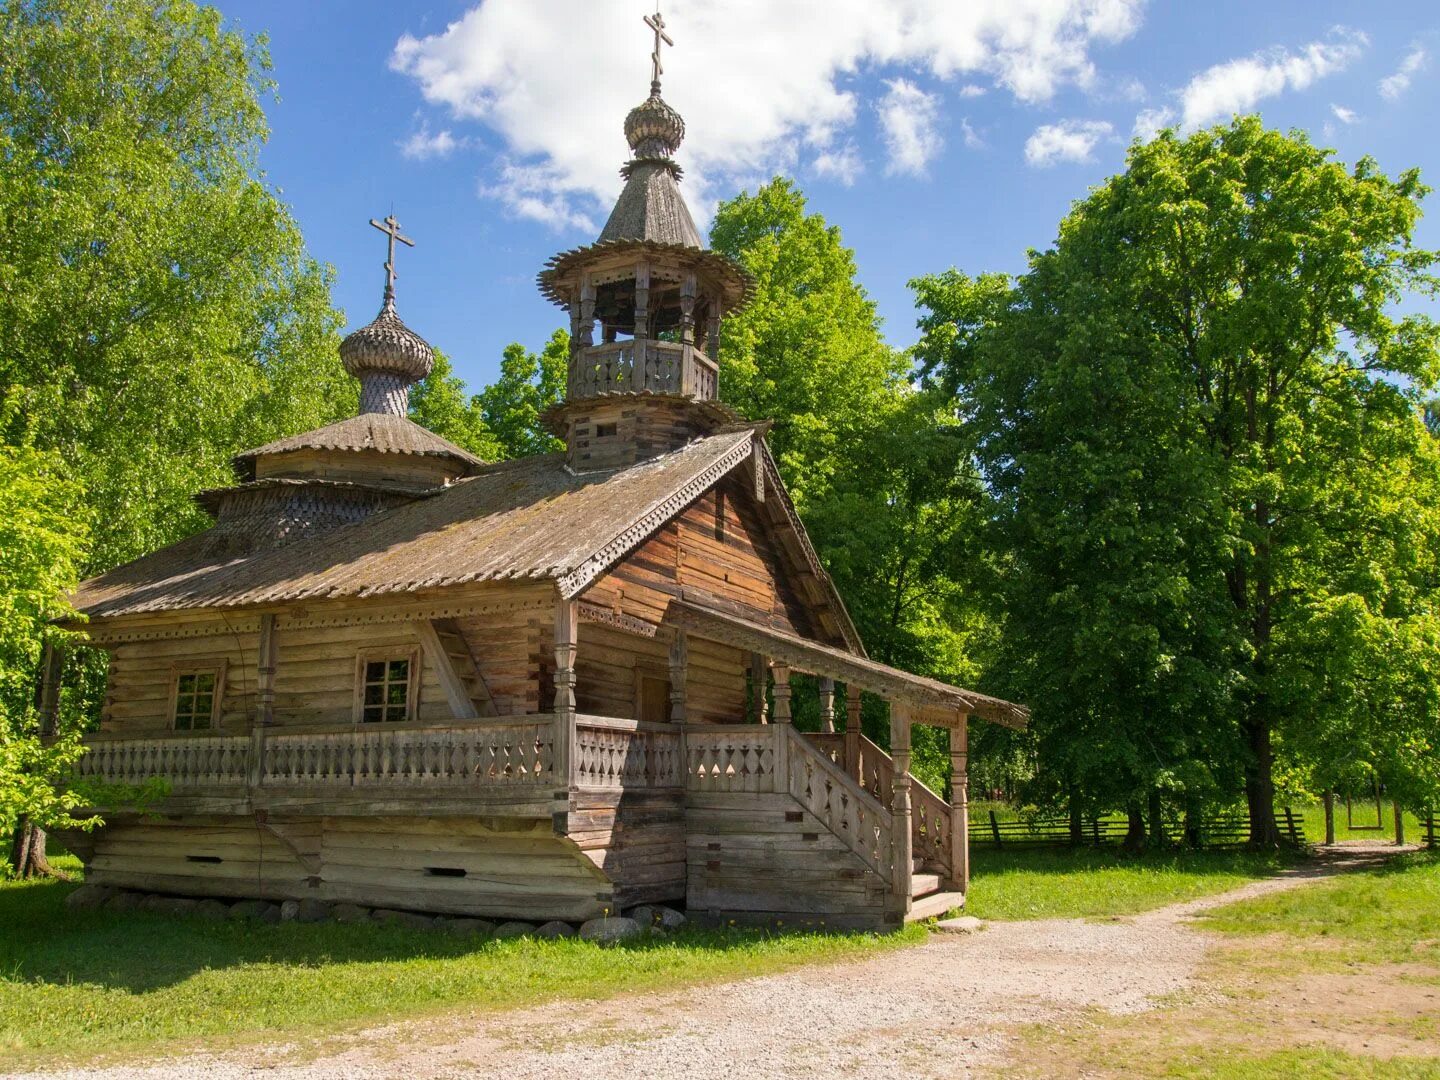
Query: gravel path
[941,1009]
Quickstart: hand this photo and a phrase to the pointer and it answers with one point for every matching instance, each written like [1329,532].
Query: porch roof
[936,702]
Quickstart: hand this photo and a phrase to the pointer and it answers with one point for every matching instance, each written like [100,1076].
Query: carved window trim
[186,687]
[411,682]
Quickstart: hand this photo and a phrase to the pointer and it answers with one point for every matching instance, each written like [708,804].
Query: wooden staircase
[456,669]
[927,899]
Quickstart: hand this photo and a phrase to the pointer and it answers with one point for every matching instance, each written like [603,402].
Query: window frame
[412,681]
[217,668]
[646,672]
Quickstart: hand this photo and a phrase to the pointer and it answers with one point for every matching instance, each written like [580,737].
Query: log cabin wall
[495,867]
[316,659]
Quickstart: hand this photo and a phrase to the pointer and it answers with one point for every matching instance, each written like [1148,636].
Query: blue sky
[934,133]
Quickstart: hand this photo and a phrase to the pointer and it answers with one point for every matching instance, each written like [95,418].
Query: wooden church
[393,674]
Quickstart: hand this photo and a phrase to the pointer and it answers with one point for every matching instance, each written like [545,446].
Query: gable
[729,549]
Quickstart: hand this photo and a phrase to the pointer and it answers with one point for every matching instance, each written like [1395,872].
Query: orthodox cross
[391,228]
[656,22]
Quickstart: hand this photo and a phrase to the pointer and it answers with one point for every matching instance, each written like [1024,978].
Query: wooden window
[195,693]
[386,684]
[604,430]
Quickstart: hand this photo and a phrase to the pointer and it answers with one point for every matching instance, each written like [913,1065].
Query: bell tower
[645,303]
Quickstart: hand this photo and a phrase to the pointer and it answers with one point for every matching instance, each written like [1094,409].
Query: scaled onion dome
[653,129]
[387,357]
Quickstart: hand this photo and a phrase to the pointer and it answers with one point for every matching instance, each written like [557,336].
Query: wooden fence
[1227,830]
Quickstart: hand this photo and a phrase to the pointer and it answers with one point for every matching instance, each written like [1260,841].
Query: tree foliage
[160,310]
[1193,413]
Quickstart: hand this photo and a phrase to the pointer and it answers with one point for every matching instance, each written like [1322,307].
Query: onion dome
[387,357]
[653,128]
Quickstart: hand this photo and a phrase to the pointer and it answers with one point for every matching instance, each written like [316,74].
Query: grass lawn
[1329,981]
[1059,883]
[77,985]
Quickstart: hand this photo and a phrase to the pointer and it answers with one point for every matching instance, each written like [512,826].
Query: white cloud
[973,141]
[1149,122]
[1069,140]
[908,119]
[1393,86]
[1344,115]
[756,80]
[970,90]
[423,144]
[1237,86]
[841,163]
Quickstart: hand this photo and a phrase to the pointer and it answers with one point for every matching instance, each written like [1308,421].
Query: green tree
[160,310]
[439,403]
[807,351]
[43,532]
[528,385]
[1225,309]
[879,470]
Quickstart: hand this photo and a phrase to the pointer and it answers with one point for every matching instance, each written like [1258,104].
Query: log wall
[513,868]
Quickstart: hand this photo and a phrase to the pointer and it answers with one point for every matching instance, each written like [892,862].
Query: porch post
[758,669]
[566,626]
[960,804]
[679,667]
[265,662]
[852,733]
[782,726]
[900,803]
[827,704]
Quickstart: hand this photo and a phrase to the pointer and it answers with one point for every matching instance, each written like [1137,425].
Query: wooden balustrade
[731,757]
[470,754]
[625,754]
[661,367]
[931,819]
[823,788]
[182,760]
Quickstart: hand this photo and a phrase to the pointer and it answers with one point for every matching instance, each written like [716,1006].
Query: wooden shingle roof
[369,431]
[528,519]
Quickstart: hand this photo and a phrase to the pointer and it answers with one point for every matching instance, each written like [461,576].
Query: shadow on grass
[139,951]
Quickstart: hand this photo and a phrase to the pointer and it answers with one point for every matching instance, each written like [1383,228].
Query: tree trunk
[1135,831]
[1399,824]
[1194,823]
[1260,784]
[27,851]
[1157,819]
[1077,821]
[1329,816]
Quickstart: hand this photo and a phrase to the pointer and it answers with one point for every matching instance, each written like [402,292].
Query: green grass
[1312,816]
[1309,1063]
[1388,914]
[1059,883]
[76,985]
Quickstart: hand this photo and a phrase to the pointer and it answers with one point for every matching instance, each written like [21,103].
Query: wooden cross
[391,228]
[656,23]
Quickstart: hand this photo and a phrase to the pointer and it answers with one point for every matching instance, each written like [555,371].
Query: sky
[934,133]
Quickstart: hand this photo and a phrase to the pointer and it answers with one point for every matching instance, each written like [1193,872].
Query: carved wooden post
[827,705]
[782,726]
[566,624]
[758,668]
[642,327]
[687,378]
[900,803]
[679,670]
[52,665]
[960,804]
[586,328]
[852,733]
[265,664]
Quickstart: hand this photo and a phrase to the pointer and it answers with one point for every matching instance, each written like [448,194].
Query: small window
[197,698]
[602,430]
[386,688]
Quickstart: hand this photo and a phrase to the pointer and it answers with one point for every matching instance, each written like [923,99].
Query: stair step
[935,905]
[924,884]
